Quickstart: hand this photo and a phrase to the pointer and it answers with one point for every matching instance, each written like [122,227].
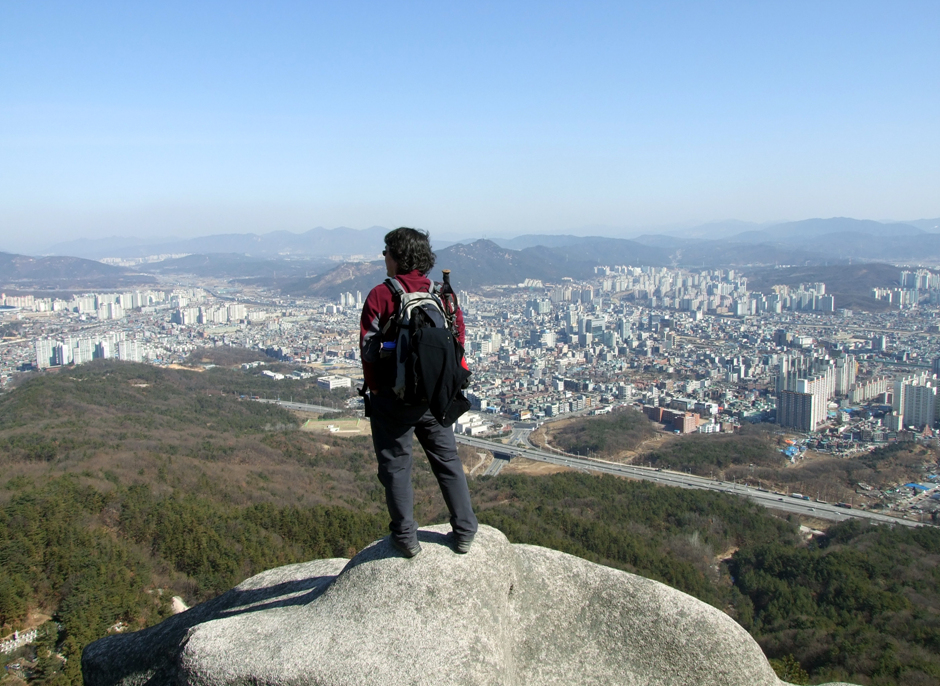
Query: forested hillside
[604,436]
[98,559]
[124,485]
[178,429]
[860,604]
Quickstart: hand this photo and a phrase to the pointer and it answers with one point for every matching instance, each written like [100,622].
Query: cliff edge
[514,615]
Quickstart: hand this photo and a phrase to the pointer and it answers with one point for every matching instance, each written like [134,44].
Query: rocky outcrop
[514,615]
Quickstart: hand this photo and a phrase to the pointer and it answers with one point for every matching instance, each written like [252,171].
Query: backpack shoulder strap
[394,285]
[397,292]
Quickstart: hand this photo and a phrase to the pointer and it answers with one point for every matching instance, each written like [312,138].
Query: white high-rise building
[900,389]
[845,370]
[128,351]
[867,390]
[186,316]
[236,312]
[110,310]
[920,405]
[800,376]
[83,351]
[62,353]
[818,387]
[624,328]
[212,315]
[45,356]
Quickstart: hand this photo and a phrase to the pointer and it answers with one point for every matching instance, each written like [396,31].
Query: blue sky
[467,119]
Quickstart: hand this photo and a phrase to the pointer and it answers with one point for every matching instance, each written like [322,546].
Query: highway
[519,435]
[300,407]
[766,498]
[495,467]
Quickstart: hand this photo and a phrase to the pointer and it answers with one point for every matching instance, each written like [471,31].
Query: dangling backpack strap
[366,400]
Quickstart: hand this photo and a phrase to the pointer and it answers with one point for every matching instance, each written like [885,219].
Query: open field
[338,427]
[520,465]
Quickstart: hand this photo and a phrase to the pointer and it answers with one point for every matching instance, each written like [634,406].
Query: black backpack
[429,365]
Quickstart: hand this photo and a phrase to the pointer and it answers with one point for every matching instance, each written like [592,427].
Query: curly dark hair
[411,249]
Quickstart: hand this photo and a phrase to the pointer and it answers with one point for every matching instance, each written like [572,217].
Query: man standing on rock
[408,259]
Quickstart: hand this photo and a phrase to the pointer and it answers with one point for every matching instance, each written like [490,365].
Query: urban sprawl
[696,351]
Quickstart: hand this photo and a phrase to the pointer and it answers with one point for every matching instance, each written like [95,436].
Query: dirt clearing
[521,465]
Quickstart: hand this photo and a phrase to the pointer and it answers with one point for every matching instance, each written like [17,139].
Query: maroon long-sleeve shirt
[377,310]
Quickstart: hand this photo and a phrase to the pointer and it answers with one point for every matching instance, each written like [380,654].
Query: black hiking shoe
[408,551]
[462,544]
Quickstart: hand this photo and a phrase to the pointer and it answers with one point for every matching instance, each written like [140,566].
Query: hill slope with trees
[124,485]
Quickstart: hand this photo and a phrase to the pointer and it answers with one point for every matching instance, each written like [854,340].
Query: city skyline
[490,120]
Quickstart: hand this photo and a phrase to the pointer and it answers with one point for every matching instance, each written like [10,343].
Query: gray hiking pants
[393,426]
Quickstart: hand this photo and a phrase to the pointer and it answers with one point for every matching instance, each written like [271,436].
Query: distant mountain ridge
[928,225]
[317,242]
[236,265]
[533,240]
[96,248]
[812,229]
[64,272]
[305,263]
[485,263]
[322,242]
[812,241]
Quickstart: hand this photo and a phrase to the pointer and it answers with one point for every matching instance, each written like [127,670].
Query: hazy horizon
[29,245]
